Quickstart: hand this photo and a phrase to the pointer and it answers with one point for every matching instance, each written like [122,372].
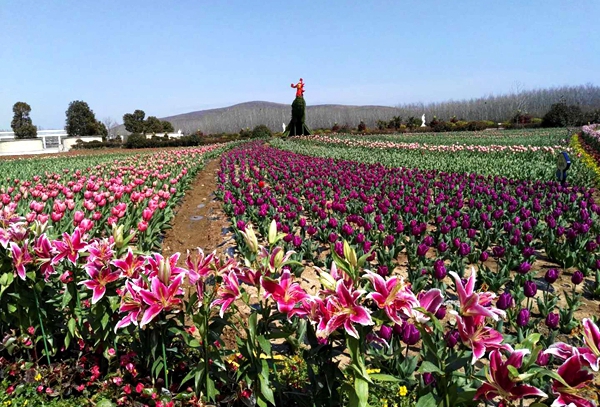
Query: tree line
[496,108]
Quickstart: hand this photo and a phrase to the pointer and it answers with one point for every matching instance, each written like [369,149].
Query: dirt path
[199,221]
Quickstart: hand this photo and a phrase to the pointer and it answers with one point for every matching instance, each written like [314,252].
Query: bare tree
[111,126]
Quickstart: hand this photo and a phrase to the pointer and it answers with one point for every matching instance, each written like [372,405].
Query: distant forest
[496,108]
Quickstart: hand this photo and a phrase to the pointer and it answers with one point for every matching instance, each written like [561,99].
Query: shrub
[561,114]
[26,131]
[261,131]
[362,126]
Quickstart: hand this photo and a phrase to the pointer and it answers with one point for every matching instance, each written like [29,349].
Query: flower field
[382,271]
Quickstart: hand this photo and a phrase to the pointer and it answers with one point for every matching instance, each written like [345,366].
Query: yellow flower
[384,403]
[402,391]
[369,371]
[38,377]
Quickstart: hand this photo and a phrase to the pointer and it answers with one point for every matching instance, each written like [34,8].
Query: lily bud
[350,255]
[117,232]
[273,232]
[250,239]
[164,271]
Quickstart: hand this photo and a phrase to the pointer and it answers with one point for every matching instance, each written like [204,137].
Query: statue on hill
[297,126]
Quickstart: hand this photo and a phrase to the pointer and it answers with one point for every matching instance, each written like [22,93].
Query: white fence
[50,138]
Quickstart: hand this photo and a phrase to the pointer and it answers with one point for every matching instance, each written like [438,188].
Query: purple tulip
[524,268]
[498,251]
[241,225]
[288,238]
[530,289]
[523,317]
[428,379]
[397,328]
[297,241]
[422,249]
[505,301]
[339,248]
[410,334]
[388,241]
[302,222]
[552,320]
[441,312]
[577,277]
[464,249]
[483,257]
[383,271]
[332,237]
[385,332]
[551,276]
[439,270]
[311,230]
[442,247]
[451,338]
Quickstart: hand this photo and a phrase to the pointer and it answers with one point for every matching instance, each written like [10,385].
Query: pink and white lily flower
[20,258]
[576,375]
[474,304]
[478,337]
[69,247]
[228,292]
[393,296]
[132,304]
[342,310]
[591,337]
[100,277]
[130,265]
[431,301]
[161,297]
[285,292]
[499,383]
[199,266]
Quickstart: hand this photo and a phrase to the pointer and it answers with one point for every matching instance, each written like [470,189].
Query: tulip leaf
[384,377]
[427,400]
[428,367]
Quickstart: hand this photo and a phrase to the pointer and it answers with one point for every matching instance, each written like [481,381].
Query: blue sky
[170,57]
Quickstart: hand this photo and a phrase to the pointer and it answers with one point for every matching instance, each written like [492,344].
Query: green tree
[81,120]
[134,122]
[153,125]
[167,127]
[562,115]
[101,129]
[21,122]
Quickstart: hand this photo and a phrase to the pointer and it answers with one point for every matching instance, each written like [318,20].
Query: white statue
[423,121]
[283,127]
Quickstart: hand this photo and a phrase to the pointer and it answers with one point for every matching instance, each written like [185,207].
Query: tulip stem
[37,305]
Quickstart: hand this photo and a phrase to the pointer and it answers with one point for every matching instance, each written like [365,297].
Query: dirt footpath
[199,220]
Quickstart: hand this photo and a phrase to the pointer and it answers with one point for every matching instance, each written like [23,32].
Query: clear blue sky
[170,57]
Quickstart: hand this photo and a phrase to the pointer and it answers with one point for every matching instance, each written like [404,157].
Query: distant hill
[249,114]
[497,108]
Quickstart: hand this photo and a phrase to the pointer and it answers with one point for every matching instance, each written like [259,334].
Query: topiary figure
[297,126]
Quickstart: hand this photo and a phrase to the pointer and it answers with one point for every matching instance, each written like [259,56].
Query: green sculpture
[297,126]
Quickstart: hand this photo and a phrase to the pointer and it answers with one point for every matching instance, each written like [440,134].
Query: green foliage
[167,127]
[562,115]
[21,122]
[153,125]
[81,120]
[261,131]
[134,122]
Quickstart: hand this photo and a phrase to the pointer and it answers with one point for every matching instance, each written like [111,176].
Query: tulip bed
[513,161]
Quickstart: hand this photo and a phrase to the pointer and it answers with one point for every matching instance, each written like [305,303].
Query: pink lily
[164,268]
[591,337]
[4,238]
[160,297]
[69,247]
[499,382]
[228,292]
[478,337]
[21,258]
[576,376]
[285,292]
[393,296]
[431,301]
[100,277]
[342,309]
[42,249]
[474,304]
[132,303]
[248,275]
[200,266]
[130,265]
[101,251]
